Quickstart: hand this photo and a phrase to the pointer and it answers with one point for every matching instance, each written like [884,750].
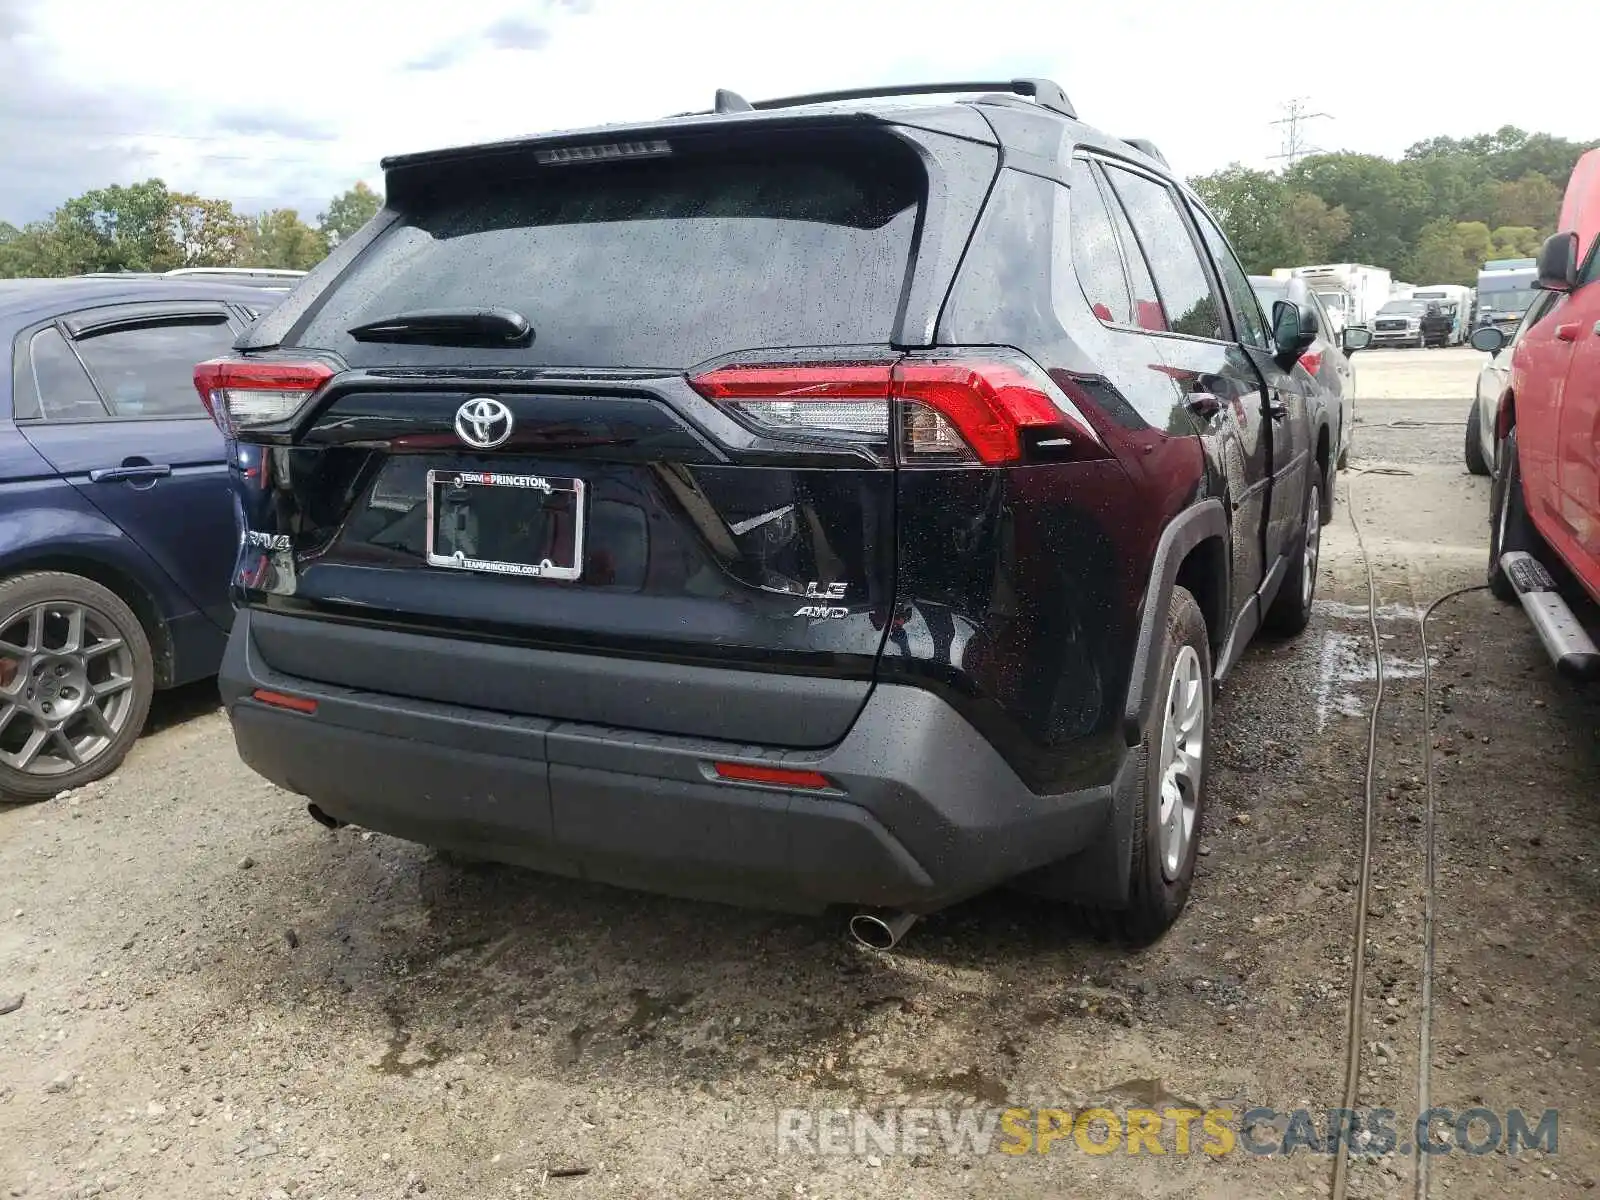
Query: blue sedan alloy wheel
[76,677]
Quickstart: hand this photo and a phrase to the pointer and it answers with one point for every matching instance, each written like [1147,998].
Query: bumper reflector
[299,704]
[772,776]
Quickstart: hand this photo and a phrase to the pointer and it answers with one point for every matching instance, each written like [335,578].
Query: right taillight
[240,393]
[988,408]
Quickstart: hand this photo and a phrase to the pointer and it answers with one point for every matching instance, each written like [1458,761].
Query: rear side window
[1191,305]
[61,391]
[1096,260]
[649,263]
[148,370]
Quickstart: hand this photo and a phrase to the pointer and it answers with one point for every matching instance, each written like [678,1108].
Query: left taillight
[985,408]
[849,400]
[1311,360]
[241,393]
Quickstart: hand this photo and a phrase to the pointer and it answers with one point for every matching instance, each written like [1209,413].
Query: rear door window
[1191,305]
[1147,311]
[647,263]
[1247,313]
[148,370]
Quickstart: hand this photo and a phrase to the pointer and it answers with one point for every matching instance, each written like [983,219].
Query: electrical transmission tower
[1295,144]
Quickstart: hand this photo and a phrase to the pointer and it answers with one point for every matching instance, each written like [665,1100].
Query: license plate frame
[544,486]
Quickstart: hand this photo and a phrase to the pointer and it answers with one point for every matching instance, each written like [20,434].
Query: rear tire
[1174,765]
[1510,527]
[1291,609]
[76,677]
[1476,463]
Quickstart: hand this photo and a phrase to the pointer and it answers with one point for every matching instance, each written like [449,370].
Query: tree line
[1433,216]
[148,227]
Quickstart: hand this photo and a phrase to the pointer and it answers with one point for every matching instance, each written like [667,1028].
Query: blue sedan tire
[76,677]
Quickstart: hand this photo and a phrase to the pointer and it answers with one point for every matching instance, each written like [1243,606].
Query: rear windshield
[649,263]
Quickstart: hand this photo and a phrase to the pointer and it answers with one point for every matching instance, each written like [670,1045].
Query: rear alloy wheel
[76,677]
[1172,782]
[1291,610]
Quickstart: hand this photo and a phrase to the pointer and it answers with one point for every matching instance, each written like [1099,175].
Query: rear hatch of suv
[595,433]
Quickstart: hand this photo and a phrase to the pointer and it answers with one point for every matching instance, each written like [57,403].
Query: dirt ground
[221,998]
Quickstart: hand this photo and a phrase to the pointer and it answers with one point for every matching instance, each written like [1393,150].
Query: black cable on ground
[1425,1032]
[1358,978]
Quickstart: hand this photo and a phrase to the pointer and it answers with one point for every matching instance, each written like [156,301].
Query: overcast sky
[291,101]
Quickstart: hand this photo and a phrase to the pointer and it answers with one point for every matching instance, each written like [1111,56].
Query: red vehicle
[1546,499]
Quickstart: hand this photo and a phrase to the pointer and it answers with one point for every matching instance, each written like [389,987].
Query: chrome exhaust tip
[881,930]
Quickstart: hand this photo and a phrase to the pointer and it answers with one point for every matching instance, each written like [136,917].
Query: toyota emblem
[483,422]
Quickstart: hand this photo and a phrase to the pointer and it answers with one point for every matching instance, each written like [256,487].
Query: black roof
[33,298]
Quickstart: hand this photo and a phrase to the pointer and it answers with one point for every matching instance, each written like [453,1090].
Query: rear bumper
[923,811]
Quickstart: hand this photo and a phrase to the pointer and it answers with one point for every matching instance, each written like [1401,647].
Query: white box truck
[1351,292]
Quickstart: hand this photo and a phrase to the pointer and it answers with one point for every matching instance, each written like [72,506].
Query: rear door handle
[1567,333]
[1277,409]
[146,472]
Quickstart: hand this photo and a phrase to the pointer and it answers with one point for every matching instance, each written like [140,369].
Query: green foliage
[279,238]
[1432,216]
[1450,252]
[348,213]
[1268,221]
[147,227]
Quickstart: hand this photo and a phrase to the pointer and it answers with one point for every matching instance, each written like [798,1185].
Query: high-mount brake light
[240,393]
[953,408]
[601,152]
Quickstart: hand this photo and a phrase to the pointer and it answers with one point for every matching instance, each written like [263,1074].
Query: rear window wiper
[449,327]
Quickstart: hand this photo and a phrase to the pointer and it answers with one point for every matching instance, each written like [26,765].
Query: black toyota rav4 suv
[836,500]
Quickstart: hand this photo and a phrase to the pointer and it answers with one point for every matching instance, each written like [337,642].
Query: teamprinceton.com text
[913,1132]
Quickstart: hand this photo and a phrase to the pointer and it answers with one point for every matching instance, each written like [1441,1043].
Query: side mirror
[1357,337]
[1488,339]
[1294,328]
[1558,262]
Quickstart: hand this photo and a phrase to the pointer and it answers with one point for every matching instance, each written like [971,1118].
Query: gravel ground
[221,998]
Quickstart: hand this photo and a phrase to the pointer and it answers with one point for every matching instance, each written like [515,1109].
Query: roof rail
[1146,146]
[258,272]
[1044,92]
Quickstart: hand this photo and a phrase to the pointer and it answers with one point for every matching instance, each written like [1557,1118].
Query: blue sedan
[117,531]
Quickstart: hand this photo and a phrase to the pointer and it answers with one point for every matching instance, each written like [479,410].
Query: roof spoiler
[1044,92]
